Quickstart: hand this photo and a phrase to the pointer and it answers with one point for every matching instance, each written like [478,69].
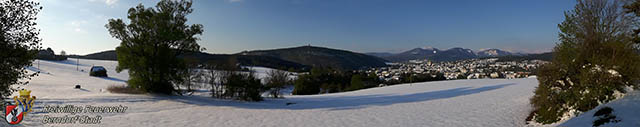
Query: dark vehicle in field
[98,71]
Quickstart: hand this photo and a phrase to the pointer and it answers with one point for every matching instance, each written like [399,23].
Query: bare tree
[216,77]
[276,80]
[213,78]
[190,75]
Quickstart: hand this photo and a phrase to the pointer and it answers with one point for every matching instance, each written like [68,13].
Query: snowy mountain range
[435,54]
[493,52]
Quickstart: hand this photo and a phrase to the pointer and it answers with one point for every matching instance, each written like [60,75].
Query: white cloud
[110,2]
[234,1]
[77,26]
[79,30]
[78,23]
[107,2]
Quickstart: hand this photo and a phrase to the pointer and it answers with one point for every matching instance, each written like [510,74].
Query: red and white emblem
[13,114]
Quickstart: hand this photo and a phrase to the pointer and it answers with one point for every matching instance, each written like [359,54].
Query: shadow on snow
[329,103]
[338,102]
[68,62]
[113,79]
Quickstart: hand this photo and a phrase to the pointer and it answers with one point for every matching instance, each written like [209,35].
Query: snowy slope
[626,109]
[59,77]
[482,102]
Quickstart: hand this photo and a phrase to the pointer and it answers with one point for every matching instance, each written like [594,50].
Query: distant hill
[455,54]
[299,58]
[247,60]
[379,54]
[270,62]
[433,54]
[413,54]
[104,55]
[322,57]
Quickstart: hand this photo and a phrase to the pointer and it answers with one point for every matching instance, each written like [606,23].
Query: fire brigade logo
[23,104]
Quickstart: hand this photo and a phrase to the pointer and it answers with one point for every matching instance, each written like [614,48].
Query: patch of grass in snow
[604,115]
[530,117]
[124,90]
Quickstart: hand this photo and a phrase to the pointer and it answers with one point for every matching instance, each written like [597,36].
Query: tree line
[231,81]
[329,80]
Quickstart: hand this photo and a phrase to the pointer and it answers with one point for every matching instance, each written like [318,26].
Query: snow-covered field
[481,102]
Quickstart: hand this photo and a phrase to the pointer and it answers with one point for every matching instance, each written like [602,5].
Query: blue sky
[231,26]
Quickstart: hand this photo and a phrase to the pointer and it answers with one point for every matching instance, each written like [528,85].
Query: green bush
[591,63]
[305,86]
[604,115]
[356,83]
[547,101]
[243,87]
[124,90]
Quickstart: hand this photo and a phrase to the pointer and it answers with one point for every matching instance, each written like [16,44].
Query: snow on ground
[60,77]
[625,109]
[262,72]
[481,102]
